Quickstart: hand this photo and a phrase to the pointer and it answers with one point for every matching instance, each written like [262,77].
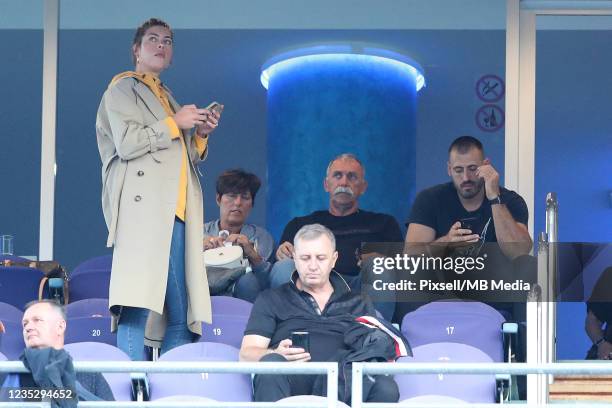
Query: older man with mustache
[345,182]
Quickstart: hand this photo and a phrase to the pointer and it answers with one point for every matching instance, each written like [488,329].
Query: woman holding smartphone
[152,200]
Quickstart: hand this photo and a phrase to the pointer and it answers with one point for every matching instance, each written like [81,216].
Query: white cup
[6,244]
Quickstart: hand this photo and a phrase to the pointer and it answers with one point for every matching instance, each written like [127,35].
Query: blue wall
[20,116]
[574,152]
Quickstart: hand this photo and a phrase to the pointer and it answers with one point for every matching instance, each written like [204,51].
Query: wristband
[598,342]
[496,200]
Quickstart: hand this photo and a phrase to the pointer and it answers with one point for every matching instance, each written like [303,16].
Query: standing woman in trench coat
[152,200]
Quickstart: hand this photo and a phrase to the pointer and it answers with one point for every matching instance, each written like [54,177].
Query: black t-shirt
[278,312]
[350,232]
[439,207]
[600,302]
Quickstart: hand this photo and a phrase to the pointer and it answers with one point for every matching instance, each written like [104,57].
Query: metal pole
[552,231]
[47,141]
[357,385]
[332,387]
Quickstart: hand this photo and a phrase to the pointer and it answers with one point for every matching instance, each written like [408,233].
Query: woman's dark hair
[238,181]
[140,32]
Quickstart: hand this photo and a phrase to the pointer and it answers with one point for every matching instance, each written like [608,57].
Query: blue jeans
[282,270]
[247,287]
[132,321]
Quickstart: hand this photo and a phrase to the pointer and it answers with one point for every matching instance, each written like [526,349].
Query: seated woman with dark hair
[236,191]
[598,323]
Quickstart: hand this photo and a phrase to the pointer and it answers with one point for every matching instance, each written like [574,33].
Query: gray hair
[345,156]
[314,231]
[54,305]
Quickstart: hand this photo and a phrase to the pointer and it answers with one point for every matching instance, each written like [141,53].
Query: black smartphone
[301,339]
[469,223]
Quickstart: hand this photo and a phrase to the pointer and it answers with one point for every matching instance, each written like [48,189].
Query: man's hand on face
[284,251]
[491,179]
[459,236]
[291,353]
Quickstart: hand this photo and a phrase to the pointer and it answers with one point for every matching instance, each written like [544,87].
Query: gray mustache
[344,190]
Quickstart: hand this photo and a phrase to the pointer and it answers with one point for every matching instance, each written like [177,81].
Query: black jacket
[367,338]
[52,369]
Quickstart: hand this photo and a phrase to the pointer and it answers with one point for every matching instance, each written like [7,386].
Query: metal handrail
[328,368]
[360,369]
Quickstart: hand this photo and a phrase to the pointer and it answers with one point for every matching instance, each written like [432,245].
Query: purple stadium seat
[88,307]
[468,306]
[468,387]
[220,387]
[10,312]
[311,399]
[224,329]
[229,319]
[424,400]
[91,279]
[3,357]
[472,323]
[119,383]
[11,341]
[100,263]
[228,305]
[19,285]
[186,398]
[90,328]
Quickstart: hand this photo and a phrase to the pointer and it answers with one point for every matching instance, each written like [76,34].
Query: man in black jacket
[315,301]
[51,370]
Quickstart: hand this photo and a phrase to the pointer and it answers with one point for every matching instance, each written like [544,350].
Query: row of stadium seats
[237,387]
[447,325]
[89,320]
[21,284]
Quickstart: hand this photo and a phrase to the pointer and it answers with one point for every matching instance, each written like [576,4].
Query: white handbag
[225,257]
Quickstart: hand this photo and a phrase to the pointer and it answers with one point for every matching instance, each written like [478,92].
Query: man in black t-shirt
[345,182]
[316,301]
[458,218]
[490,213]
[464,214]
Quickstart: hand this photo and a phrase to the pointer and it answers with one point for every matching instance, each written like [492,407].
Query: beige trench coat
[140,180]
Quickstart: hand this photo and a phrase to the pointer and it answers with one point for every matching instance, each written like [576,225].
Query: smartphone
[216,106]
[301,339]
[469,223]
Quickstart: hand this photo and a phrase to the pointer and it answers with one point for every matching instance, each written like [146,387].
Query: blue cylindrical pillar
[326,104]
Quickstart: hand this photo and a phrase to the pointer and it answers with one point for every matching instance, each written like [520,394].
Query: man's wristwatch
[598,342]
[496,200]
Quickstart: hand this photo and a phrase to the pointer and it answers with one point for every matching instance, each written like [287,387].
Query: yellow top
[155,85]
